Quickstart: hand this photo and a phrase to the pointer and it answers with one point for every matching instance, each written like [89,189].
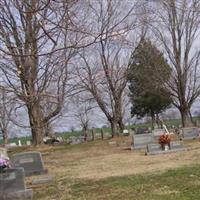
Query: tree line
[51,51]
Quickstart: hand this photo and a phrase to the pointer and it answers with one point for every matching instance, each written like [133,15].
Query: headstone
[89,139]
[30,161]
[107,135]
[43,180]
[125,132]
[141,140]
[12,185]
[12,144]
[112,143]
[176,145]
[98,135]
[28,143]
[19,143]
[153,147]
[3,153]
[190,133]
[142,131]
[76,140]
[158,132]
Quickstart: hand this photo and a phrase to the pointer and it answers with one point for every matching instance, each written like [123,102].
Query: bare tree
[102,67]
[83,111]
[38,39]
[176,25]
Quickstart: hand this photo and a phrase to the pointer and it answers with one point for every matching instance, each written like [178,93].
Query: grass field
[100,171]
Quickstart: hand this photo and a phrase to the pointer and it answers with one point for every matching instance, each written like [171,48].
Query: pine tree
[147,75]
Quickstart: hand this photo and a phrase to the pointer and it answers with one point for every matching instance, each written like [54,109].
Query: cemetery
[32,171]
[99,100]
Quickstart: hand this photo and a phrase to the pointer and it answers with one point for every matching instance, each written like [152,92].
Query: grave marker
[176,145]
[12,185]
[141,140]
[155,149]
[30,161]
[158,132]
[3,153]
[190,133]
[142,131]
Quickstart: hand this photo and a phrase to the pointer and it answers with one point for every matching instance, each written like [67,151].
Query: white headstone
[28,143]
[13,144]
[19,143]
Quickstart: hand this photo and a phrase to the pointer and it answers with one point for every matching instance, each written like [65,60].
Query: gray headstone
[12,185]
[142,131]
[158,132]
[141,140]
[3,153]
[30,161]
[89,138]
[112,143]
[153,147]
[176,145]
[190,133]
[28,143]
[43,180]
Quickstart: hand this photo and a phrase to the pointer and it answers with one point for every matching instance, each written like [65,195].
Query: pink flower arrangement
[4,163]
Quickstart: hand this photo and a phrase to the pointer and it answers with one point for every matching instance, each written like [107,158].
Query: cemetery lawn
[99,171]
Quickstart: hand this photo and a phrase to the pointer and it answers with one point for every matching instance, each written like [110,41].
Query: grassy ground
[100,171]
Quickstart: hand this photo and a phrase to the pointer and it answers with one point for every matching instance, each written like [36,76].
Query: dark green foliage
[148,74]
[149,103]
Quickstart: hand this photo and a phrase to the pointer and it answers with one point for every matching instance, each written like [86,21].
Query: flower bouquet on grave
[164,141]
[4,164]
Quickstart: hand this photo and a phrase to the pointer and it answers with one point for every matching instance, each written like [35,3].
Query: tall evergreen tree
[148,73]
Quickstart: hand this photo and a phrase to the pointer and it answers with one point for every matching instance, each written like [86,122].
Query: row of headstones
[186,133]
[12,180]
[19,144]
[147,140]
[82,139]
[141,140]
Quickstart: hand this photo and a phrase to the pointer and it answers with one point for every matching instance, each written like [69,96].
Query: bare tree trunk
[85,133]
[114,130]
[92,135]
[121,125]
[191,118]
[184,117]
[36,123]
[5,136]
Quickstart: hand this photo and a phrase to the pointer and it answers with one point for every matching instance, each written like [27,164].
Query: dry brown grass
[99,160]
